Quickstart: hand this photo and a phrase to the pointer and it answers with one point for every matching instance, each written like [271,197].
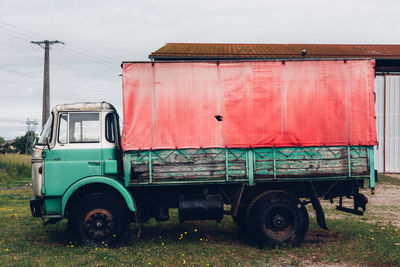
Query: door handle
[94,163]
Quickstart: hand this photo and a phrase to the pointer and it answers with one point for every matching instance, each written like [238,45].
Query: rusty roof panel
[252,51]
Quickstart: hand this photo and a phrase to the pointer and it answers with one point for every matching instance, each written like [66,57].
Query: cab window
[110,128]
[79,128]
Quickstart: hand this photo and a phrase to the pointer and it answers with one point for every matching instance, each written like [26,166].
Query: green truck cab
[81,173]
[77,152]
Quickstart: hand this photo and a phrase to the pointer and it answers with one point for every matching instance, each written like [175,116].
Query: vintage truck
[256,140]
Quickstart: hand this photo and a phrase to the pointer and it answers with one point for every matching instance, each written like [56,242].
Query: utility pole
[46,77]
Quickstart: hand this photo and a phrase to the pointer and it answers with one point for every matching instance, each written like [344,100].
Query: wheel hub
[98,224]
[279,221]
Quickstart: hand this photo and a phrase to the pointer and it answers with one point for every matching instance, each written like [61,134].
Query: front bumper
[37,205]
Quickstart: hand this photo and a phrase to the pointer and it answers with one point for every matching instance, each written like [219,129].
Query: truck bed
[223,165]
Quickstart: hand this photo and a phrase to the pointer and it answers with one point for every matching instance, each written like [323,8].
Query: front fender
[99,180]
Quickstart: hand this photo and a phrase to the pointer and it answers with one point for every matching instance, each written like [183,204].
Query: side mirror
[47,143]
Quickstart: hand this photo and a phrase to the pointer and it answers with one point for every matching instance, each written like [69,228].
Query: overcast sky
[99,35]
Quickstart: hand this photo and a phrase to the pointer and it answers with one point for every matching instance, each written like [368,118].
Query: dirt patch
[394,175]
[316,237]
[335,264]
[383,205]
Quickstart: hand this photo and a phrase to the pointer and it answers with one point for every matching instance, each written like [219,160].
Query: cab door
[77,153]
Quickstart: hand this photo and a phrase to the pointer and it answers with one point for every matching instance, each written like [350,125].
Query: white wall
[387,156]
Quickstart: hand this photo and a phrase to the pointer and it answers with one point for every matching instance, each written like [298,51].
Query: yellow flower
[195,230]
[6,249]
[183,261]
[372,238]
[185,233]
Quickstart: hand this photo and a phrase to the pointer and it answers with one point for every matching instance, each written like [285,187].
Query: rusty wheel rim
[279,223]
[98,224]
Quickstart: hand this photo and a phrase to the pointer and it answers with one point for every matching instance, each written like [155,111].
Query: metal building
[387,81]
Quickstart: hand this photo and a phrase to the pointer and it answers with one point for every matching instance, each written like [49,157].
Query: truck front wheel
[277,218]
[100,220]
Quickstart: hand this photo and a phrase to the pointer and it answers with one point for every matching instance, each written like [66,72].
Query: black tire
[100,220]
[276,218]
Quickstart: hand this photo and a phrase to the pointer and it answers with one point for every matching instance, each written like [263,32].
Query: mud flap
[317,207]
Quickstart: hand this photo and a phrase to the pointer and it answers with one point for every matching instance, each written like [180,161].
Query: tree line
[19,145]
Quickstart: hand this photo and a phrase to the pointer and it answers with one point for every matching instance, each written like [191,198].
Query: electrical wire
[20,50]
[15,31]
[57,65]
[57,82]
[81,50]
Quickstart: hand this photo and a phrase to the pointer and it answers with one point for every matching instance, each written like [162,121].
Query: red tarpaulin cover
[171,105]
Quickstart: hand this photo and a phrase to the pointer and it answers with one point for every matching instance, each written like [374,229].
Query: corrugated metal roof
[260,51]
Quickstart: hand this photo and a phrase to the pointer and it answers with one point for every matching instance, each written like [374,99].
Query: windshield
[47,129]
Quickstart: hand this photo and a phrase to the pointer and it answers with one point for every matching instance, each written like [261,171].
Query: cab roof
[85,106]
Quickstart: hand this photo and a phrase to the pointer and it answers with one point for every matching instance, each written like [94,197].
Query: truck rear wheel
[100,220]
[277,218]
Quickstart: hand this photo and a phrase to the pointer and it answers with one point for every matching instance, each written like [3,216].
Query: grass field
[25,242]
[389,179]
[15,170]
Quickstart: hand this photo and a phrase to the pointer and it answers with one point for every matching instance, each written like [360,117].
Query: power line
[58,84]
[34,35]
[14,35]
[65,85]
[19,50]
[16,72]
[70,51]
[93,53]
[58,64]
[91,56]
[88,58]
[18,32]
